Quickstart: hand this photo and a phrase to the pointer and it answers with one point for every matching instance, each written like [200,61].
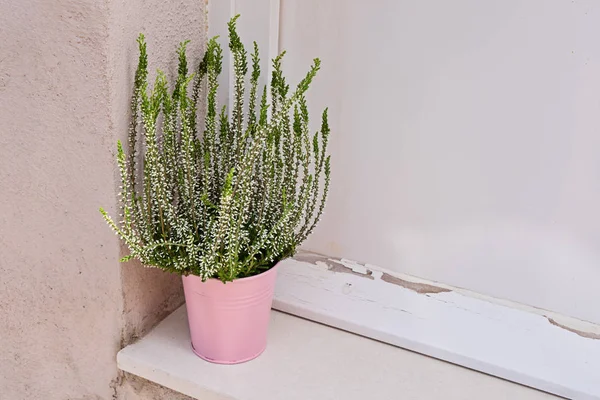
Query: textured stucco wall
[60,286]
[149,294]
[136,388]
[66,305]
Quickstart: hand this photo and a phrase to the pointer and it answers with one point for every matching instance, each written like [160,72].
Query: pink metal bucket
[229,322]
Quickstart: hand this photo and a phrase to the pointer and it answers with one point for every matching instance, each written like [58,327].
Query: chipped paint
[421,288]
[588,335]
[355,266]
[312,258]
[336,266]
[343,266]
[442,321]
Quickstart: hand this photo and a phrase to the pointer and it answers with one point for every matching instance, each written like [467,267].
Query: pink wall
[65,78]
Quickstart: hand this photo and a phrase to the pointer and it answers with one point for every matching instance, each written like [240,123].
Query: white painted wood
[464,140]
[308,361]
[219,13]
[274,18]
[274,14]
[507,342]
[258,22]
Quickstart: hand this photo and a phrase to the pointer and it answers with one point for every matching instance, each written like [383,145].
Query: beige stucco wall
[149,294]
[136,388]
[66,305]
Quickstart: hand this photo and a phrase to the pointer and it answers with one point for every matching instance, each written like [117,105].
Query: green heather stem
[233,200]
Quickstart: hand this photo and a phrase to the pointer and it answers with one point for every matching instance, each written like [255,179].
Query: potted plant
[221,205]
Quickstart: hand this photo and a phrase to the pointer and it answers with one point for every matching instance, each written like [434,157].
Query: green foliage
[233,200]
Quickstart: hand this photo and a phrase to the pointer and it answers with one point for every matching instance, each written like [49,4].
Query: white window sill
[307,360]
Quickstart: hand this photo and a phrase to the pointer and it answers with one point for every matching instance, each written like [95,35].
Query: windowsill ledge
[307,360]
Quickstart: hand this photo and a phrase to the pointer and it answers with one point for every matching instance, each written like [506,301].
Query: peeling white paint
[354,266]
[515,343]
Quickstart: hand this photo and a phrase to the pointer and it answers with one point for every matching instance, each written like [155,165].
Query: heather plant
[230,199]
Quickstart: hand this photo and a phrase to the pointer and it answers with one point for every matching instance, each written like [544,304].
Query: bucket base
[227,362]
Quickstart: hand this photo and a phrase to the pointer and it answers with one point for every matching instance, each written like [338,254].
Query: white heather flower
[232,200]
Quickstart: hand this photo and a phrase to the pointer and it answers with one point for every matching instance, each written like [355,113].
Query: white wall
[466,140]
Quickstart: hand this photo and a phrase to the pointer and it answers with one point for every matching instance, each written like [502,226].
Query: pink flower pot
[229,322]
